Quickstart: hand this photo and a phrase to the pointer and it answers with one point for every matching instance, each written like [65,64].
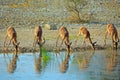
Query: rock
[47,26]
[50,27]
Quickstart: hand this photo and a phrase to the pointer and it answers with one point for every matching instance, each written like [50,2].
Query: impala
[64,34]
[86,35]
[113,34]
[11,33]
[38,36]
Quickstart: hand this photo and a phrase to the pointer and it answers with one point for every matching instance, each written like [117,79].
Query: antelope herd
[64,34]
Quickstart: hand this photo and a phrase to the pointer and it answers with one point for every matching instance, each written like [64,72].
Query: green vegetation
[45,55]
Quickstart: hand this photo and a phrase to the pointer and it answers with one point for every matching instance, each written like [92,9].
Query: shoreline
[52,49]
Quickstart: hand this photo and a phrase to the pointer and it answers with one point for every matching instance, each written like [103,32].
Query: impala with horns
[38,36]
[86,35]
[113,34]
[11,33]
[64,34]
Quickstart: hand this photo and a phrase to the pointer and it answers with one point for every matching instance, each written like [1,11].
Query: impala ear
[18,43]
[43,41]
[70,43]
[94,43]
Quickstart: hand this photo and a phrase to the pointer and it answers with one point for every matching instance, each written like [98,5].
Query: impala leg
[61,43]
[77,38]
[5,40]
[84,43]
[105,38]
[68,47]
[113,42]
[16,46]
[9,43]
[34,43]
[57,40]
[92,44]
[116,44]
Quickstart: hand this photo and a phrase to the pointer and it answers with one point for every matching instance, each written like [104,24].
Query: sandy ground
[26,38]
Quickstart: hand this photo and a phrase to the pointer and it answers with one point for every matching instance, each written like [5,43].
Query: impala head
[41,43]
[68,46]
[17,46]
[115,44]
[93,45]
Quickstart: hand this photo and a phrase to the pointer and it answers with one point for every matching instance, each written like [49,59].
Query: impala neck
[15,44]
[67,41]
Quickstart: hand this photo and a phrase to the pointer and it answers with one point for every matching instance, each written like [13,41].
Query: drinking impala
[86,35]
[11,33]
[64,34]
[38,36]
[112,31]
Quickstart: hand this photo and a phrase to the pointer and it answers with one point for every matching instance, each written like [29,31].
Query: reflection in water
[83,59]
[111,60]
[41,60]
[65,64]
[100,65]
[83,62]
[38,63]
[13,64]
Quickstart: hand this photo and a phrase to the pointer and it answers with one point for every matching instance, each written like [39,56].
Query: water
[84,65]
